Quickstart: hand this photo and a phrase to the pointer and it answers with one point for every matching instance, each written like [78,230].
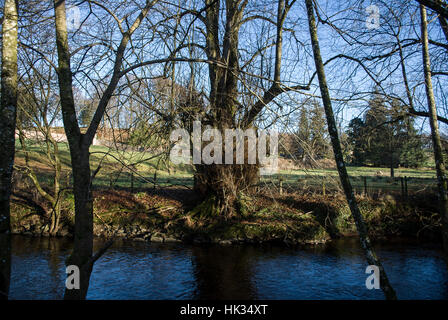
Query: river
[137,270]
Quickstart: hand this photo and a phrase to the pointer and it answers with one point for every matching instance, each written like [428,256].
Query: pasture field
[128,168]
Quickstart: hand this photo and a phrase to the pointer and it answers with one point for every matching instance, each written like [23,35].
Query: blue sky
[345,78]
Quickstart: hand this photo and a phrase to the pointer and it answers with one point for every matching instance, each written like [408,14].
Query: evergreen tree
[311,136]
[357,139]
[381,145]
[413,149]
[303,134]
[386,136]
[318,131]
[86,115]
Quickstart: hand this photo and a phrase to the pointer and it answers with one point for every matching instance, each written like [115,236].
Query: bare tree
[437,145]
[8,113]
[38,110]
[342,170]
[239,90]
[79,143]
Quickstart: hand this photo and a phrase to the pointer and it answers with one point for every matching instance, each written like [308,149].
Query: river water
[136,270]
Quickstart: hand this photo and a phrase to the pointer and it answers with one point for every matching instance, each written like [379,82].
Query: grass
[114,173]
[417,179]
[295,216]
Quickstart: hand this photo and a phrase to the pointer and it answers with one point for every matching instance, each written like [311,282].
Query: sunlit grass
[117,167]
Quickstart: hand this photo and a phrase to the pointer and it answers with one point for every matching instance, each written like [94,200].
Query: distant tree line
[384,136]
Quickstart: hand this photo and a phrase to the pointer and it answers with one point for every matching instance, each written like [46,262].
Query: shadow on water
[224,272]
[134,270]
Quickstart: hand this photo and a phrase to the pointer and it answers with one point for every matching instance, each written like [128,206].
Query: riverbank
[166,215]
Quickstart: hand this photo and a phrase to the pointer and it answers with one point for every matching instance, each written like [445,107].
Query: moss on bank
[166,215]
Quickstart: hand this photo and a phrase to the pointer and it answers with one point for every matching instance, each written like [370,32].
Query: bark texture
[8,114]
[342,170]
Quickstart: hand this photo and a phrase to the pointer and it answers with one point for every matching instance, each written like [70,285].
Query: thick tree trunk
[222,185]
[342,170]
[226,184]
[437,145]
[83,235]
[8,113]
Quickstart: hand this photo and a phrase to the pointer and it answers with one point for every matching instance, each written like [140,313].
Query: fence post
[69,178]
[402,187]
[280,179]
[132,182]
[365,185]
[155,179]
[406,187]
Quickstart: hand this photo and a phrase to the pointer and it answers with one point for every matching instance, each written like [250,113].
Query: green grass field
[115,173]
[417,179]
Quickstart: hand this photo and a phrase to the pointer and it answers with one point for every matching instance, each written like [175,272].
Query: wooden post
[365,185]
[280,179]
[132,182]
[402,187]
[155,179]
[406,187]
[69,178]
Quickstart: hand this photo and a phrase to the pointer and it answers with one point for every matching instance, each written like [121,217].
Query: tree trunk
[80,143]
[437,145]
[392,173]
[225,184]
[438,6]
[342,170]
[8,114]
[83,235]
[58,193]
[79,153]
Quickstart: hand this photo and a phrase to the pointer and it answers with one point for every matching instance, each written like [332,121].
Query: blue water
[134,270]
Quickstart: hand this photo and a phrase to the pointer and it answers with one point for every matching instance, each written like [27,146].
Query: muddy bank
[165,216]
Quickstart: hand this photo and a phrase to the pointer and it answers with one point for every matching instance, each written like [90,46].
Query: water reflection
[5,264]
[224,272]
[133,270]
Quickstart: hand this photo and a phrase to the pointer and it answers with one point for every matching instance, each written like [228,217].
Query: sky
[344,77]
